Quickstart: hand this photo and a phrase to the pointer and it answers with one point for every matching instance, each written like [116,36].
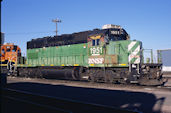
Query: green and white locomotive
[100,55]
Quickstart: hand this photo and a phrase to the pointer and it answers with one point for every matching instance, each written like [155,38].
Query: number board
[94,51]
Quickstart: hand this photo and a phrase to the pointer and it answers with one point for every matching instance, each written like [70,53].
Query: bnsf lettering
[95,60]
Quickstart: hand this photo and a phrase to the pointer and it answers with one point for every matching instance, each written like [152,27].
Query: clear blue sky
[146,20]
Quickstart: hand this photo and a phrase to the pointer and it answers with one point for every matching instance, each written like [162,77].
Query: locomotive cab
[108,47]
[10,53]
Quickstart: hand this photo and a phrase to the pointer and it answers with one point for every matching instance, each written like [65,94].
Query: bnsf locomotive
[99,55]
[9,54]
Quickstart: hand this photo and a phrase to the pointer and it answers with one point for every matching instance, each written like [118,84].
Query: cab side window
[8,48]
[18,52]
[96,42]
[14,49]
[3,51]
[93,42]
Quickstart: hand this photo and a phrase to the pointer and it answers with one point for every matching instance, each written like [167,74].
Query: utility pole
[56,21]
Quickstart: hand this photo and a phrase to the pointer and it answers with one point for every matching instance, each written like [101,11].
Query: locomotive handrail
[57,104]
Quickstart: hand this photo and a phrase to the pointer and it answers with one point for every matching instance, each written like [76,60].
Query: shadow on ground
[140,101]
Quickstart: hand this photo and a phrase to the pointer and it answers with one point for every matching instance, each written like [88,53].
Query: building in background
[166,60]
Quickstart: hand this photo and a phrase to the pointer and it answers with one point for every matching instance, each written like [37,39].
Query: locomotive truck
[99,55]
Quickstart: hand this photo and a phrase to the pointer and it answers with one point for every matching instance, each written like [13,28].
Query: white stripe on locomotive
[134,53]
[131,45]
[137,61]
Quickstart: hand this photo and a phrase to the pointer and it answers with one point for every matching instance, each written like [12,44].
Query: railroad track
[92,84]
[27,102]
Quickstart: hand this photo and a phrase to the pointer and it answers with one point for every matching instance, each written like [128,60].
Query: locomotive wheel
[39,74]
[109,76]
[91,78]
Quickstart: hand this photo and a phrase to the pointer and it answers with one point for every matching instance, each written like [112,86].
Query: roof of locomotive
[74,38]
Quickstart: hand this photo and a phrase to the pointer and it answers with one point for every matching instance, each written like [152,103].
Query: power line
[25,33]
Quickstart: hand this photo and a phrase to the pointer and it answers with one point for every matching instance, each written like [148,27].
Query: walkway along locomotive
[100,55]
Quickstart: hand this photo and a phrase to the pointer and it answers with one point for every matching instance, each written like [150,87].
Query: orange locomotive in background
[9,53]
